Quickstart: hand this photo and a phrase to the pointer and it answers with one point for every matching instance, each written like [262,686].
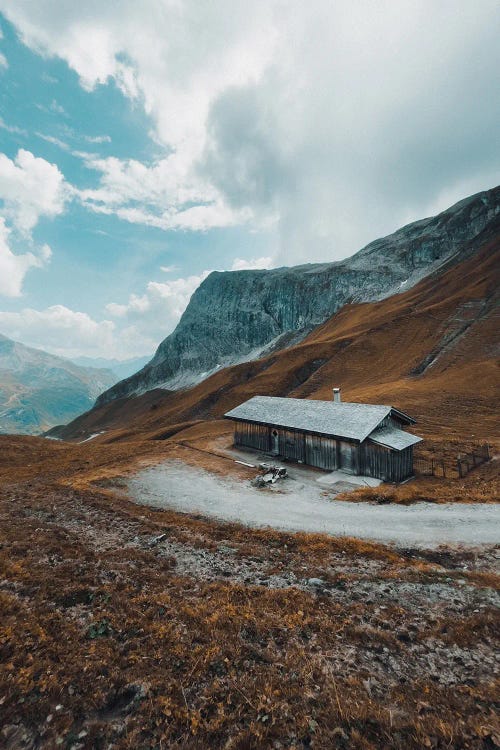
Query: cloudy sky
[144,144]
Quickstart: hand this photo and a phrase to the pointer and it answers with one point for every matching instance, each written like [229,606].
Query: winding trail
[297,505]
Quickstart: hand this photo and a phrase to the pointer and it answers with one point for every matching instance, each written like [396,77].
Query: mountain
[236,316]
[431,351]
[39,390]
[122,368]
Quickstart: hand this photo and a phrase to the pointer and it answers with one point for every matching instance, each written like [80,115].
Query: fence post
[459,468]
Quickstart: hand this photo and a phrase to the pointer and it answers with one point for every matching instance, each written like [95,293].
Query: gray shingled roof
[344,420]
[392,437]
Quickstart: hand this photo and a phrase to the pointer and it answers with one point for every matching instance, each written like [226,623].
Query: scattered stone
[315,582]
[157,540]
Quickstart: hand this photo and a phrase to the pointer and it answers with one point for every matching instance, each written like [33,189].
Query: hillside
[424,351]
[39,390]
[239,315]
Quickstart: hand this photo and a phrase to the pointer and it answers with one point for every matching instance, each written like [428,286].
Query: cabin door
[347,457]
[275,442]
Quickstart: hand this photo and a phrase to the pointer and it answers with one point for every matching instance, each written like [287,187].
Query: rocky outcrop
[235,316]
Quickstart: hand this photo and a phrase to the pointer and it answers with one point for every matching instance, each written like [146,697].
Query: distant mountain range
[39,390]
[121,368]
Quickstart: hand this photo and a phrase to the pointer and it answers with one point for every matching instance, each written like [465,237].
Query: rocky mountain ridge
[39,390]
[236,316]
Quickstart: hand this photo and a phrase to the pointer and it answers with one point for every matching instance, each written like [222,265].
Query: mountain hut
[364,439]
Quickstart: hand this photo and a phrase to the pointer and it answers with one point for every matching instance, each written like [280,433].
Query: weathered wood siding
[321,452]
[292,445]
[367,458]
[385,463]
[349,459]
[251,435]
[404,464]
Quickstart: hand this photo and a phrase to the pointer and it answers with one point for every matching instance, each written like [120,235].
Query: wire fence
[452,468]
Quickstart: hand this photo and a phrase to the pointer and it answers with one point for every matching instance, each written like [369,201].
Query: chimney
[336,395]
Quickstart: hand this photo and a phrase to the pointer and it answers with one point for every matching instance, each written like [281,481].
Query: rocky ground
[130,627]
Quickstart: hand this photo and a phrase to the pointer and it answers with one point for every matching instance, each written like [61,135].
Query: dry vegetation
[108,639]
[127,627]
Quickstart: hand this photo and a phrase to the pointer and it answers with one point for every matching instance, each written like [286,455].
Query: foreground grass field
[125,627]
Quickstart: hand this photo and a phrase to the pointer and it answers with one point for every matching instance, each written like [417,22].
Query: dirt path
[298,505]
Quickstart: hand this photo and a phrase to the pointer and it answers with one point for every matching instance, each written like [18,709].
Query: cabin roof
[344,420]
[394,438]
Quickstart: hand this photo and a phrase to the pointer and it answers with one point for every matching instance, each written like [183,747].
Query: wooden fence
[452,469]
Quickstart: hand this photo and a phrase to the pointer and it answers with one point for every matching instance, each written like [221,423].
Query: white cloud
[12,128]
[239,264]
[131,329]
[3,61]
[171,60]
[57,108]
[339,119]
[158,310]
[55,141]
[13,267]
[69,333]
[48,78]
[97,138]
[30,187]
[166,195]
[59,330]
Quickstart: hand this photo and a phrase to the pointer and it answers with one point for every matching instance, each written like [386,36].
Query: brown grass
[102,637]
[104,644]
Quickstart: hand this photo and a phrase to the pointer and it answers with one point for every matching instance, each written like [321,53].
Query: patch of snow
[91,437]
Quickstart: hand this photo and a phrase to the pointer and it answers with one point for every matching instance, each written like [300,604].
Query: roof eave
[392,447]
[400,413]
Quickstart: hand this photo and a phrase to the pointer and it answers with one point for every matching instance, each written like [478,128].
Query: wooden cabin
[365,439]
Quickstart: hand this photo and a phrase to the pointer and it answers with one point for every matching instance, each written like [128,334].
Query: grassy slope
[376,351]
[107,641]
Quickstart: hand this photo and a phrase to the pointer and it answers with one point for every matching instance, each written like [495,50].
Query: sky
[143,145]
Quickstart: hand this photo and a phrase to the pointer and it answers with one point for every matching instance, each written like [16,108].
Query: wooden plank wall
[321,452]
[292,445]
[251,435]
[384,463]
[369,459]
[348,456]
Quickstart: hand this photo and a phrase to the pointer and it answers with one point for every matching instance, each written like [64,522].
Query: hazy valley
[39,390]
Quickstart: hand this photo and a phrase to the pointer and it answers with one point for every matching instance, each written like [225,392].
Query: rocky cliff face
[239,315]
[39,390]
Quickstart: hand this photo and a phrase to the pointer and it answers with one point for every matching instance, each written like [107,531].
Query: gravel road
[296,505]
